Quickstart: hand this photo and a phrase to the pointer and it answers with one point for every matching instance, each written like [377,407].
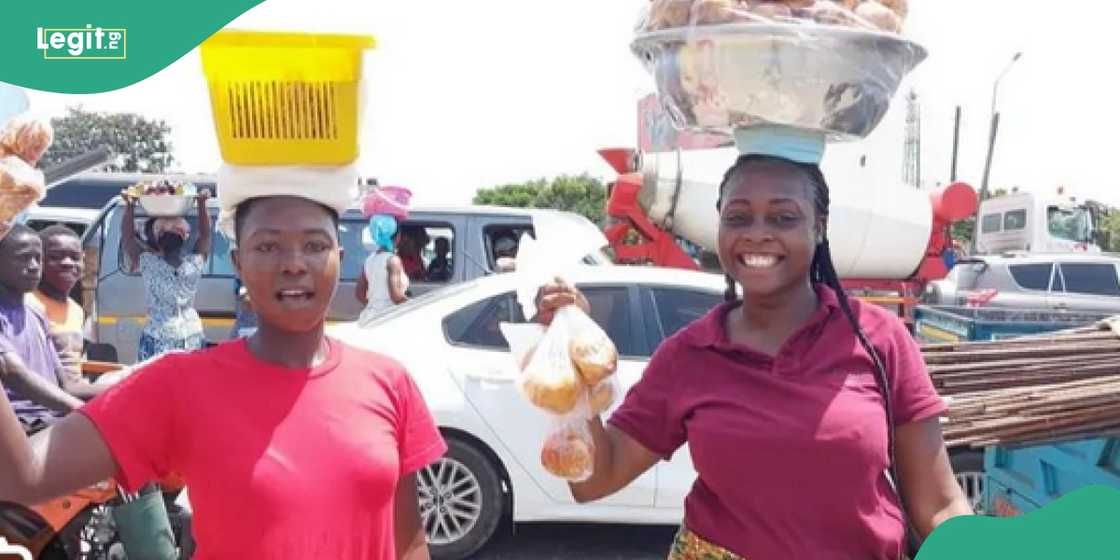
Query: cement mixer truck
[887,239]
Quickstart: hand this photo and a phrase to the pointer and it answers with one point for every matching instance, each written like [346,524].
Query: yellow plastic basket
[285,98]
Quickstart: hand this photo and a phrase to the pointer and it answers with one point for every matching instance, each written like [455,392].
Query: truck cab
[1036,223]
[112,295]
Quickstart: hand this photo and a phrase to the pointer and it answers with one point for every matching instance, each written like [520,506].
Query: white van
[1035,223]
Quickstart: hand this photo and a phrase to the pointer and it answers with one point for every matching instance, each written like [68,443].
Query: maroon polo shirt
[790,450]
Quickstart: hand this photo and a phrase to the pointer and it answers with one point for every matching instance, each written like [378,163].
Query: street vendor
[171,277]
[801,408]
[293,445]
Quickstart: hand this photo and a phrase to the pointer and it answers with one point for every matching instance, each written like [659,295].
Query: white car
[450,342]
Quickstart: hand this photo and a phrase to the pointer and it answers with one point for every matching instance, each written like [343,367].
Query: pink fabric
[791,450]
[279,463]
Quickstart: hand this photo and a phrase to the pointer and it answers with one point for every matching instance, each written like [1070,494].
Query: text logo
[13,552]
[89,43]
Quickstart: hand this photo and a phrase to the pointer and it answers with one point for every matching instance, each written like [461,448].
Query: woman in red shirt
[799,406]
[293,444]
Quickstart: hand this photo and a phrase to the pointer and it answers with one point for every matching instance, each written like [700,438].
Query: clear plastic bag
[826,66]
[27,138]
[875,15]
[567,369]
[569,451]
[20,186]
[549,379]
[594,354]
[601,397]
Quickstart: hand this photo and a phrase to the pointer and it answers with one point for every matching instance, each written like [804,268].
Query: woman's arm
[362,287]
[128,233]
[396,280]
[619,459]
[412,541]
[929,488]
[205,232]
[55,462]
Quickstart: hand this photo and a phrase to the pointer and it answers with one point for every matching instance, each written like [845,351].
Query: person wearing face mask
[171,275]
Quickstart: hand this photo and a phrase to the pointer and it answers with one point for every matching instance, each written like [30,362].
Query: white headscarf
[333,187]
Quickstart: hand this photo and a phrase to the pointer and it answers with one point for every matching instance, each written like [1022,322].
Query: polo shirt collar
[710,331]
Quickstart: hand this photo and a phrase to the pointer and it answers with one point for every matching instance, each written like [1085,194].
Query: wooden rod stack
[1035,390]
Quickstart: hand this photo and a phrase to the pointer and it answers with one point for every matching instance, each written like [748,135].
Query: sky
[465,95]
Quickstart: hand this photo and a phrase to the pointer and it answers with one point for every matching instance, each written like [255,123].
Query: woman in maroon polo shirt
[796,402]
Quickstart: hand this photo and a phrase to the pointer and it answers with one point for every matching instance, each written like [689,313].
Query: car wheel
[968,467]
[461,502]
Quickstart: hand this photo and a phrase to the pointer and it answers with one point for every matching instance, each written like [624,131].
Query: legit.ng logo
[13,552]
[88,43]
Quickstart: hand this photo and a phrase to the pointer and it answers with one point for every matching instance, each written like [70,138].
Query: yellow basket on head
[285,98]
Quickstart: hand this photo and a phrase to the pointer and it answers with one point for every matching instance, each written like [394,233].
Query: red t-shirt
[791,449]
[280,463]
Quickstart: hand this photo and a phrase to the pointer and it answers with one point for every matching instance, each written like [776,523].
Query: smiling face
[62,261]
[288,258]
[769,227]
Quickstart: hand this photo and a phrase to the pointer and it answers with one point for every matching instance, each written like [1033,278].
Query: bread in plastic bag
[550,380]
[20,187]
[569,451]
[592,351]
[523,339]
[602,397]
[27,138]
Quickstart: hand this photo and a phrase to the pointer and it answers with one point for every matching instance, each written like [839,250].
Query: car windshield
[1070,223]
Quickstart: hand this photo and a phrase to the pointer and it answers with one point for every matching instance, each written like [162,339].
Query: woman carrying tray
[799,406]
[293,444]
[170,275]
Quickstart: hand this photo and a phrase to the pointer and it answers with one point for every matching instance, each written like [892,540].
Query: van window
[40,225]
[221,262]
[1091,279]
[502,242]
[990,223]
[353,252]
[1032,276]
[418,251]
[420,248]
[1015,220]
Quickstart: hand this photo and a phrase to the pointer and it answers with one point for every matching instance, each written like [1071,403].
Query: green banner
[1081,524]
[72,46]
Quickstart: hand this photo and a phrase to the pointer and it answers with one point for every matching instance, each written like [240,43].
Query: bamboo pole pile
[1038,389]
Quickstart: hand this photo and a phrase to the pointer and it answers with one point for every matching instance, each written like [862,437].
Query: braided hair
[822,271]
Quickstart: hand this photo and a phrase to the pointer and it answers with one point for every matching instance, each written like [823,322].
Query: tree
[1110,224]
[138,144]
[581,194]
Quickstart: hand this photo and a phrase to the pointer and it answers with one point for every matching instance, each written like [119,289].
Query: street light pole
[992,131]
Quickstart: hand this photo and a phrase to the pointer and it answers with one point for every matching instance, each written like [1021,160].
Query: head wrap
[382,229]
[335,187]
